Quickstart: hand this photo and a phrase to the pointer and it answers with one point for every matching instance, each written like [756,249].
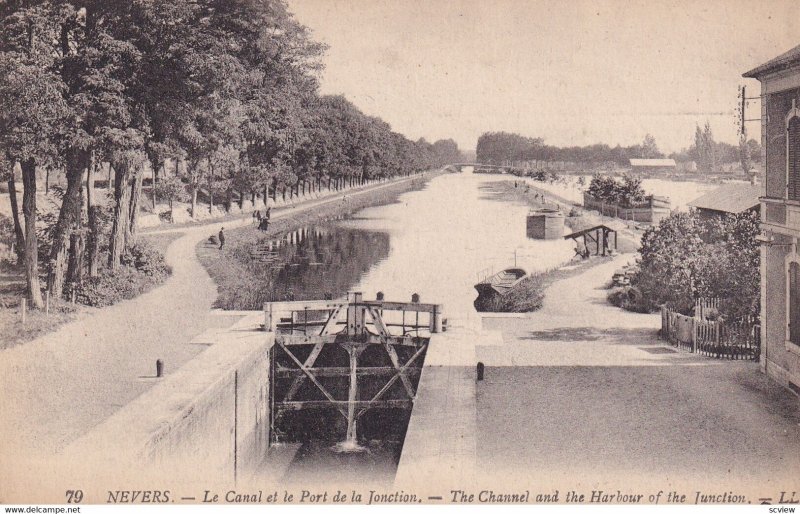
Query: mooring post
[436,319]
[268,316]
[480,368]
[24,306]
[47,302]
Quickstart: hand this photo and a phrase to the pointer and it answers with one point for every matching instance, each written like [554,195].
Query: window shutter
[794,302]
[793,151]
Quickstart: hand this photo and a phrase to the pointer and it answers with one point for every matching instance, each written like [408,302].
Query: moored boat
[501,283]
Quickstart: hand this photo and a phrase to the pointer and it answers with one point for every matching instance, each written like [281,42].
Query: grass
[106,289]
[529,295]
[37,322]
[160,241]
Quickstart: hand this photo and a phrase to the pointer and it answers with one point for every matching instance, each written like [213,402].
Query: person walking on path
[221,237]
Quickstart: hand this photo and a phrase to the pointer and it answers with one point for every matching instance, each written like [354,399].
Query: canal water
[436,242]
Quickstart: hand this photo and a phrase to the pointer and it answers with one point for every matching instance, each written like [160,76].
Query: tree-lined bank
[208,99]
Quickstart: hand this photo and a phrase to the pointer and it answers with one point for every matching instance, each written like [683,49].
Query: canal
[436,242]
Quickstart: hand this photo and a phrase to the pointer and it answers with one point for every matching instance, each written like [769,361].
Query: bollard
[24,305]
[47,302]
[73,296]
[480,371]
[379,296]
[159,368]
[415,298]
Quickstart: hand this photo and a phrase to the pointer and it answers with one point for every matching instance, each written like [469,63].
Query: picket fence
[723,340]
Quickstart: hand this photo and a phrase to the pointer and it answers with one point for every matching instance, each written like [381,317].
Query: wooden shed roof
[732,198]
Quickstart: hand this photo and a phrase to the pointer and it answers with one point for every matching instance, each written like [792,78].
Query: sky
[574,72]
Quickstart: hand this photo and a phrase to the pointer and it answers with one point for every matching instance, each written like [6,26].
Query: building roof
[734,198]
[653,162]
[784,60]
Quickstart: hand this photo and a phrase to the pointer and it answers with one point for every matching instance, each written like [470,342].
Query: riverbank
[106,358]
[240,285]
[575,217]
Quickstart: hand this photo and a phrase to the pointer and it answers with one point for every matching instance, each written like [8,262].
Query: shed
[732,198]
[652,164]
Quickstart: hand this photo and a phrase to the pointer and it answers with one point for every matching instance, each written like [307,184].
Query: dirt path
[59,386]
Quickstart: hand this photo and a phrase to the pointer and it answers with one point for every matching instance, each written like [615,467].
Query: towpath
[582,394]
[59,386]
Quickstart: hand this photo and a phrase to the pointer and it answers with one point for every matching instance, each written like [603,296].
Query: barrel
[545,224]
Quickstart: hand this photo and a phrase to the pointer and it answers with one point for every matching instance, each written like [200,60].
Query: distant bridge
[485,168]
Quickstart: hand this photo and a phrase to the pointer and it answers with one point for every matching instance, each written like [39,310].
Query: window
[794,302]
[793,158]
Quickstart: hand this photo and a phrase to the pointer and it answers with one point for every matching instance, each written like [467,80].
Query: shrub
[627,193]
[685,257]
[142,268]
[630,299]
[146,259]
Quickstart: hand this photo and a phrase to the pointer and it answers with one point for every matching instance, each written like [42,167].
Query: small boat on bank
[501,283]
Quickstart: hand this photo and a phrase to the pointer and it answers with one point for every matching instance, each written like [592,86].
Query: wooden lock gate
[351,356]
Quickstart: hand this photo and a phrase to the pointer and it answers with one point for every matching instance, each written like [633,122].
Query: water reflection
[313,262]
[446,237]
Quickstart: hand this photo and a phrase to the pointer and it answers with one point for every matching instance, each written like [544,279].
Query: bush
[146,259]
[630,299]
[686,257]
[628,193]
[142,268]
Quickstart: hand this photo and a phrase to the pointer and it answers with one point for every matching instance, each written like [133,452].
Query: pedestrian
[267,213]
[221,237]
[256,217]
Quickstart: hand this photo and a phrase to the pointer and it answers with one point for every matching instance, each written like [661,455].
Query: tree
[650,149]
[684,258]
[171,189]
[33,115]
[705,151]
[744,153]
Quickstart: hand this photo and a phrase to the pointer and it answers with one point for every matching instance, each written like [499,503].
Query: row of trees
[710,155]
[226,86]
[498,147]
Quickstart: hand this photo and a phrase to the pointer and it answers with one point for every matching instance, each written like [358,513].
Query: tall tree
[33,113]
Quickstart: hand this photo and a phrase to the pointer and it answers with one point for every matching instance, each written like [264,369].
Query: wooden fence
[652,212]
[705,308]
[713,338]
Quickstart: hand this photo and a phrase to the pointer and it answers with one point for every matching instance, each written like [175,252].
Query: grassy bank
[529,295]
[238,277]
[143,269]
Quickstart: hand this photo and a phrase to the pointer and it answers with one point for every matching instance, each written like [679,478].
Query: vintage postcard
[396,252]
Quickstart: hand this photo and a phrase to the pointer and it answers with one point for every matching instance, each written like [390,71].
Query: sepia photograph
[399,252]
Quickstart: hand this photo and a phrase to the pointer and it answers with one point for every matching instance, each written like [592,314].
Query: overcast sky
[573,72]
